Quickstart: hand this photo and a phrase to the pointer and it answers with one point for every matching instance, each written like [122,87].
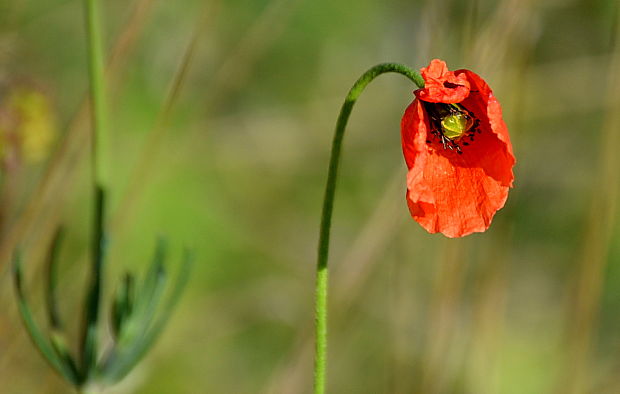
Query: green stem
[97,93]
[320,358]
[89,343]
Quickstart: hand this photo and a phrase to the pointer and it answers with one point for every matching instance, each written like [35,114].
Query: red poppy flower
[458,152]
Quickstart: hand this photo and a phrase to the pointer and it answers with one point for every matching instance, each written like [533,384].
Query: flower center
[455,125]
[450,123]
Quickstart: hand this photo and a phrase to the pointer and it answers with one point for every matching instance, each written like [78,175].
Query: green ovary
[455,125]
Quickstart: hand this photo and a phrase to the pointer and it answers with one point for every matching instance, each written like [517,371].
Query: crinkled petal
[455,194]
[452,200]
[414,130]
[442,85]
[485,106]
[447,192]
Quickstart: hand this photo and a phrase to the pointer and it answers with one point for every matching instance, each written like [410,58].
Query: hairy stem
[320,359]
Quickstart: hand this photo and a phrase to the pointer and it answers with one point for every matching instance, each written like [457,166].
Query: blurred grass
[239,176]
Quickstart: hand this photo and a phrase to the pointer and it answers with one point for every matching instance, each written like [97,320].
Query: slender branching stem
[320,360]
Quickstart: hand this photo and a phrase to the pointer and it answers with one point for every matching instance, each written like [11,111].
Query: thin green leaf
[153,289]
[146,303]
[154,274]
[52,279]
[37,337]
[123,306]
[59,344]
[124,359]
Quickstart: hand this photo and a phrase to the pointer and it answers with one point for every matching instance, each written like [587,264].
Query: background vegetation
[222,113]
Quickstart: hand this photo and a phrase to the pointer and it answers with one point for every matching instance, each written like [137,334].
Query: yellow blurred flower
[28,126]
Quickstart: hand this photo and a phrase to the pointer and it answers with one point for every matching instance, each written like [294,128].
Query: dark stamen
[437,112]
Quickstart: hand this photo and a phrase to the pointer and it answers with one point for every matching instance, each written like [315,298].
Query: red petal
[485,106]
[442,85]
[457,194]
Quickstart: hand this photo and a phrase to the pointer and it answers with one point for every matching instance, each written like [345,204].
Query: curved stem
[320,359]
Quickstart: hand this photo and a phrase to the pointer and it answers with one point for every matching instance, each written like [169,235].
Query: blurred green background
[222,114]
